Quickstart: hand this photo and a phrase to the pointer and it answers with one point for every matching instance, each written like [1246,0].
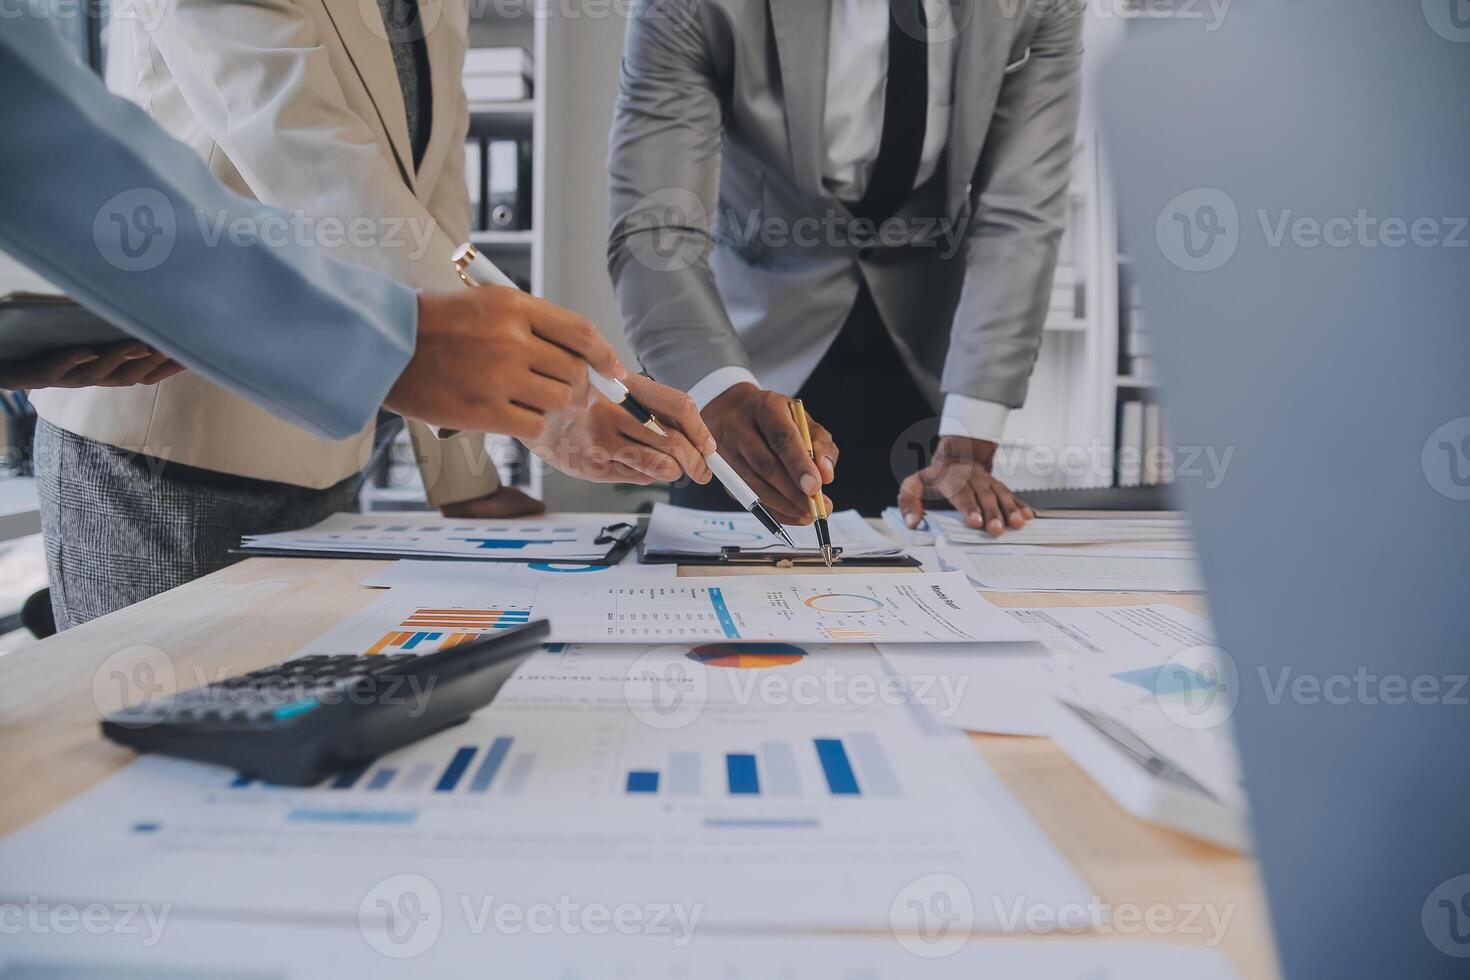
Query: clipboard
[35,324]
[621,537]
[733,556]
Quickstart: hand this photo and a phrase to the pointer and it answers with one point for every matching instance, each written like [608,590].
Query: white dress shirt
[852,128]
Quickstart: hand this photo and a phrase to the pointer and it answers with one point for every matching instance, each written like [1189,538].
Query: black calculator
[299,722]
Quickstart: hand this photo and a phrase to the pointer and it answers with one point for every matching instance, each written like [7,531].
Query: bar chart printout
[474,769]
[854,766]
[430,629]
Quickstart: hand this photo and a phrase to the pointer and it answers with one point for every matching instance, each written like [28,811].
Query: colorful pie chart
[747,656]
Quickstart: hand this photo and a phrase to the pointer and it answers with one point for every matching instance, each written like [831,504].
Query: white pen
[475,270]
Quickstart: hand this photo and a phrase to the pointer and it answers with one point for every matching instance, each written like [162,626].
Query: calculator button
[287,711]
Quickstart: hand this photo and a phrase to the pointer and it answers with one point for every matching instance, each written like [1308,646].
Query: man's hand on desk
[759,438]
[495,359]
[960,474]
[111,366]
[599,441]
[505,502]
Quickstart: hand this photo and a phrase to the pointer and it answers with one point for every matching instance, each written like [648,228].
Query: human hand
[117,365]
[759,438]
[601,442]
[495,359]
[960,473]
[505,502]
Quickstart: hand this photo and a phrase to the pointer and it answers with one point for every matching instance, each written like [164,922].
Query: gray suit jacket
[726,249]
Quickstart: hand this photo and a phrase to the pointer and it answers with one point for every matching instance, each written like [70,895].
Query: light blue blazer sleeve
[100,201]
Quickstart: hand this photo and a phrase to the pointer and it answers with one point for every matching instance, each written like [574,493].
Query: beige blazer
[296,103]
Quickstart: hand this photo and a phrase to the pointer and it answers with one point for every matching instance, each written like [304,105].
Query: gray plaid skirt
[120,526]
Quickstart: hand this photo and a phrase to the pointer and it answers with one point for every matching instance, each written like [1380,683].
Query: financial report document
[780,787]
[429,613]
[566,538]
[923,608]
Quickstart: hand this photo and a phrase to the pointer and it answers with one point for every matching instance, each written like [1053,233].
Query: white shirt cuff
[972,418]
[716,383]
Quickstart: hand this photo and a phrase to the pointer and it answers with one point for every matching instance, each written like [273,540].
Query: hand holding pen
[611,437]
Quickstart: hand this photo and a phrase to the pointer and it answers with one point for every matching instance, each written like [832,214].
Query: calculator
[299,722]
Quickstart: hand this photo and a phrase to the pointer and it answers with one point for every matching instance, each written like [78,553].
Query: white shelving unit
[1066,435]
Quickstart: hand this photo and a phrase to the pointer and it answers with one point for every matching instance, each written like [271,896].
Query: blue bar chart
[475,769]
[854,766]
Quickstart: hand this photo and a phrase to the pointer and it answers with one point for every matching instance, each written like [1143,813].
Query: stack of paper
[685,531]
[424,535]
[920,535]
[1042,569]
[1069,531]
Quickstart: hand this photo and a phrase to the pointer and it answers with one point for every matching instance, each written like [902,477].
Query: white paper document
[1008,689]
[1018,568]
[1001,688]
[420,932]
[452,576]
[684,530]
[773,787]
[898,608]
[916,608]
[1068,531]
[416,534]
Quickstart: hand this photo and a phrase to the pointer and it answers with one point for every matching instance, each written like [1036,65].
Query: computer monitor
[1294,186]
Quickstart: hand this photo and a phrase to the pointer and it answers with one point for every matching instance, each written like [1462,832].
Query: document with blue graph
[881,608]
[779,787]
[428,535]
[877,608]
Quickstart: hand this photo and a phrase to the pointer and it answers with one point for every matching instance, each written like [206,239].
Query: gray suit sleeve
[1022,178]
[132,225]
[665,175]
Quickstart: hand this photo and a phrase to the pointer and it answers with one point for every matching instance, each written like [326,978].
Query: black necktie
[905,112]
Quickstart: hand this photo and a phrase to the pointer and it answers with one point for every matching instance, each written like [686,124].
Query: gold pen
[818,502]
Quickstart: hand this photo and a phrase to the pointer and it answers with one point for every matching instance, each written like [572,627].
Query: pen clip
[733,554]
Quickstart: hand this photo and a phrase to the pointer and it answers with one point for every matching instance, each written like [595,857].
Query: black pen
[475,269]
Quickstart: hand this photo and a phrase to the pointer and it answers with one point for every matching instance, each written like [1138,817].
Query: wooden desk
[261,611]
